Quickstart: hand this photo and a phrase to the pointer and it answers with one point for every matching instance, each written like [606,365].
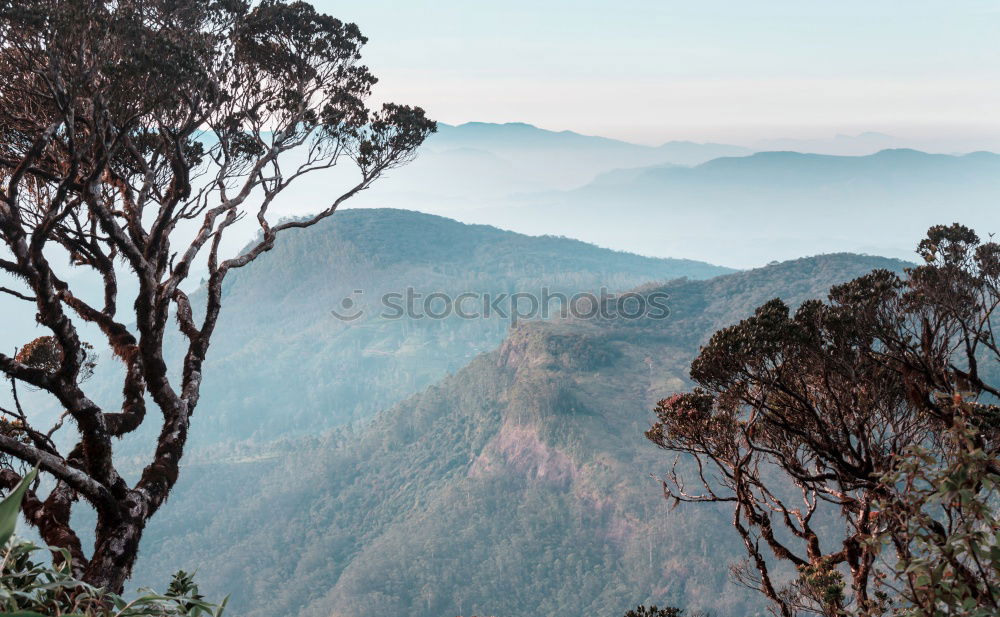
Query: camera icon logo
[349,309]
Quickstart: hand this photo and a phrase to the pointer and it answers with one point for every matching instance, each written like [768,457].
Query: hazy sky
[650,70]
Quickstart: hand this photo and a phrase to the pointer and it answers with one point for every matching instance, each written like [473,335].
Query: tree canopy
[805,418]
[133,136]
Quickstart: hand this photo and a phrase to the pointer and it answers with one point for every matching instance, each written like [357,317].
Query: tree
[133,135]
[949,513]
[805,421]
[654,611]
[29,588]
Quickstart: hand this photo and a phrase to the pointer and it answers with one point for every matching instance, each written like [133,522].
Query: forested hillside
[282,364]
[518,486]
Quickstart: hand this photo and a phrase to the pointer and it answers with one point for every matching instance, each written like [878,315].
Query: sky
[722,70]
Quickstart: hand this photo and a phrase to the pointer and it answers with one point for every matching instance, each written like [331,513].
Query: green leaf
[222,607]
[11,505]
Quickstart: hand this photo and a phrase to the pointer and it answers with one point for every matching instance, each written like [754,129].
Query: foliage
[948,513]
[30,588]
[799,418]
[10,506]
[46,354]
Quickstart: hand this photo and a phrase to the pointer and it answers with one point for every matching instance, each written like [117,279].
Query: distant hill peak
[895,154]
[495,125]
[842,259]
[528,131]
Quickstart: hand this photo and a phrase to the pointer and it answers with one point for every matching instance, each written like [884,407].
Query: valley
[519,485]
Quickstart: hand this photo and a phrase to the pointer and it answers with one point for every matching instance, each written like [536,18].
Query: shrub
[32,587]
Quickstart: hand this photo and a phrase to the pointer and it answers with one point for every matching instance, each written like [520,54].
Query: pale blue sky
[651,70]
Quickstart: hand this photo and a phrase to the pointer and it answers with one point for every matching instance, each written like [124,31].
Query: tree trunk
[115,551]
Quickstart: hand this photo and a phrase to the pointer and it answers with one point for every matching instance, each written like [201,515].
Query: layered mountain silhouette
[426,467]
[713,202]
[477,164]
[745,211]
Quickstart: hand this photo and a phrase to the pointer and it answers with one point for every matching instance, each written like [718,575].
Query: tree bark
[117,546]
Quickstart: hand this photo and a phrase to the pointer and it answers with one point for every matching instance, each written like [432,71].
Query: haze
[650,71]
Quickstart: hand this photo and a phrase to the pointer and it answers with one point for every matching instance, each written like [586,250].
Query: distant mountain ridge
[712,202]
[477,164]
[521,134]
[752,209]
[834,168]
[785,169]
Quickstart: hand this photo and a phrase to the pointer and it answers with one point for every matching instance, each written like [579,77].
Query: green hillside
[520,486]
[282,364]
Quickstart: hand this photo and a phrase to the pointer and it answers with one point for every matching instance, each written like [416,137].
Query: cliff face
[540,401]
[521,485]
[519,450]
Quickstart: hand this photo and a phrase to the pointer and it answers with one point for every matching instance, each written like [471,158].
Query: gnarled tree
[133,135]
[803,422]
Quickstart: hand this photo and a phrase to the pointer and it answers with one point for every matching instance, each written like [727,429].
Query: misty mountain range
[718,203]
[773,205]
[432,467]
[712,202]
